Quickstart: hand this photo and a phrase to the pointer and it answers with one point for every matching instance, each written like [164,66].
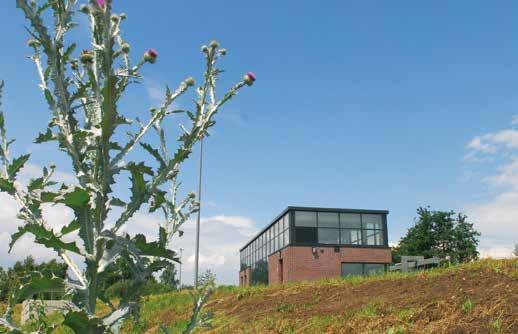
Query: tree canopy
[444,234]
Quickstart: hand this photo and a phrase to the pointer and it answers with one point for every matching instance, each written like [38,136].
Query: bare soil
[471,299]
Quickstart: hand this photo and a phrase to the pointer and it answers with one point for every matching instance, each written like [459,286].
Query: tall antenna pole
[197,251]
[180,278]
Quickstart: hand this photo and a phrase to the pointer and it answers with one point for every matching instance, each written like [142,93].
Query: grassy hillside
[480,297]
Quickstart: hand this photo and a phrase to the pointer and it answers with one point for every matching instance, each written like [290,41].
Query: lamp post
[197,247]
[180,274]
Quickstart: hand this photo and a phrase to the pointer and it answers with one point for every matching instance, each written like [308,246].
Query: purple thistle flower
[249,78]
[101,3]
[150,56]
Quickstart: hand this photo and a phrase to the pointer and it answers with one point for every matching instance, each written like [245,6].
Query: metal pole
[197,250]
[180,274]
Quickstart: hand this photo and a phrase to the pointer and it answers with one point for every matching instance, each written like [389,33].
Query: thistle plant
[83,90]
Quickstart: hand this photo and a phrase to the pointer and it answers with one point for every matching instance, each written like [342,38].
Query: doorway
[281,271]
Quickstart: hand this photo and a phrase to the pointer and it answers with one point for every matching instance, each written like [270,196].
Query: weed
[395,330]
[467,305]
[370,311]
[495,326]
[406,314]
[286,308]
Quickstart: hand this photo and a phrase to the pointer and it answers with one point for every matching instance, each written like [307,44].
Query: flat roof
[307,208]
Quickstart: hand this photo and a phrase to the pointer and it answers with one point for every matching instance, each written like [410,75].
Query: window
[328,236]
[372,237]
[372,222]
[361,229]
[328,219]
[305,219]
[351,237]
[351,233]
[350,220]
[306,234]
[349,269]
[372,230]
[306,227]
[373,268]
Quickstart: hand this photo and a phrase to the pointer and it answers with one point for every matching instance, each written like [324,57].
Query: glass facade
[255,255]
[339,228]
[314,227]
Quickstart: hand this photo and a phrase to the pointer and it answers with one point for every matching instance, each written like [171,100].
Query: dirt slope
[481,297]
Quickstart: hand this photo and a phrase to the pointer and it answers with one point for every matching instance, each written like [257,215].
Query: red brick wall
[300,263]
[244,277]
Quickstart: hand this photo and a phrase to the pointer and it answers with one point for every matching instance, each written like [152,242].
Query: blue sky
[360,104]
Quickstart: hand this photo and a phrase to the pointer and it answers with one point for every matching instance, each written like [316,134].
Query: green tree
[12,278]
[4,285]
[443,234]
[515,252]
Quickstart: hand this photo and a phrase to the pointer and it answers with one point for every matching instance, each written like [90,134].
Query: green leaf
[16,165]
[181,154]
[73,226]
[154,152]
[6,186]
[162,237]
[153,248]
[115,146]
[38,283]
[68,52]
[81,323]
[157,200]
[138,184]
[49,97]
[77,199]
[44,237]
[109,107]
[80,92]
[36,184]
[45,137]
[117,202]
[48,197]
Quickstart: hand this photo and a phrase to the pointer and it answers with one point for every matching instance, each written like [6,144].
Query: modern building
[305,243]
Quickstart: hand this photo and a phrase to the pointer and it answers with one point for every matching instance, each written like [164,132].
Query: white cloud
[221,237]
[492,142]
[497,217]
[506,175]
[155,92]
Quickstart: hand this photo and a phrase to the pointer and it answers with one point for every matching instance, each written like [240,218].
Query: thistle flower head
[150,56]
[249,78]
[101,3]
[189,81]
[87,57]
[214,44]
[33,43]
[125,48]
